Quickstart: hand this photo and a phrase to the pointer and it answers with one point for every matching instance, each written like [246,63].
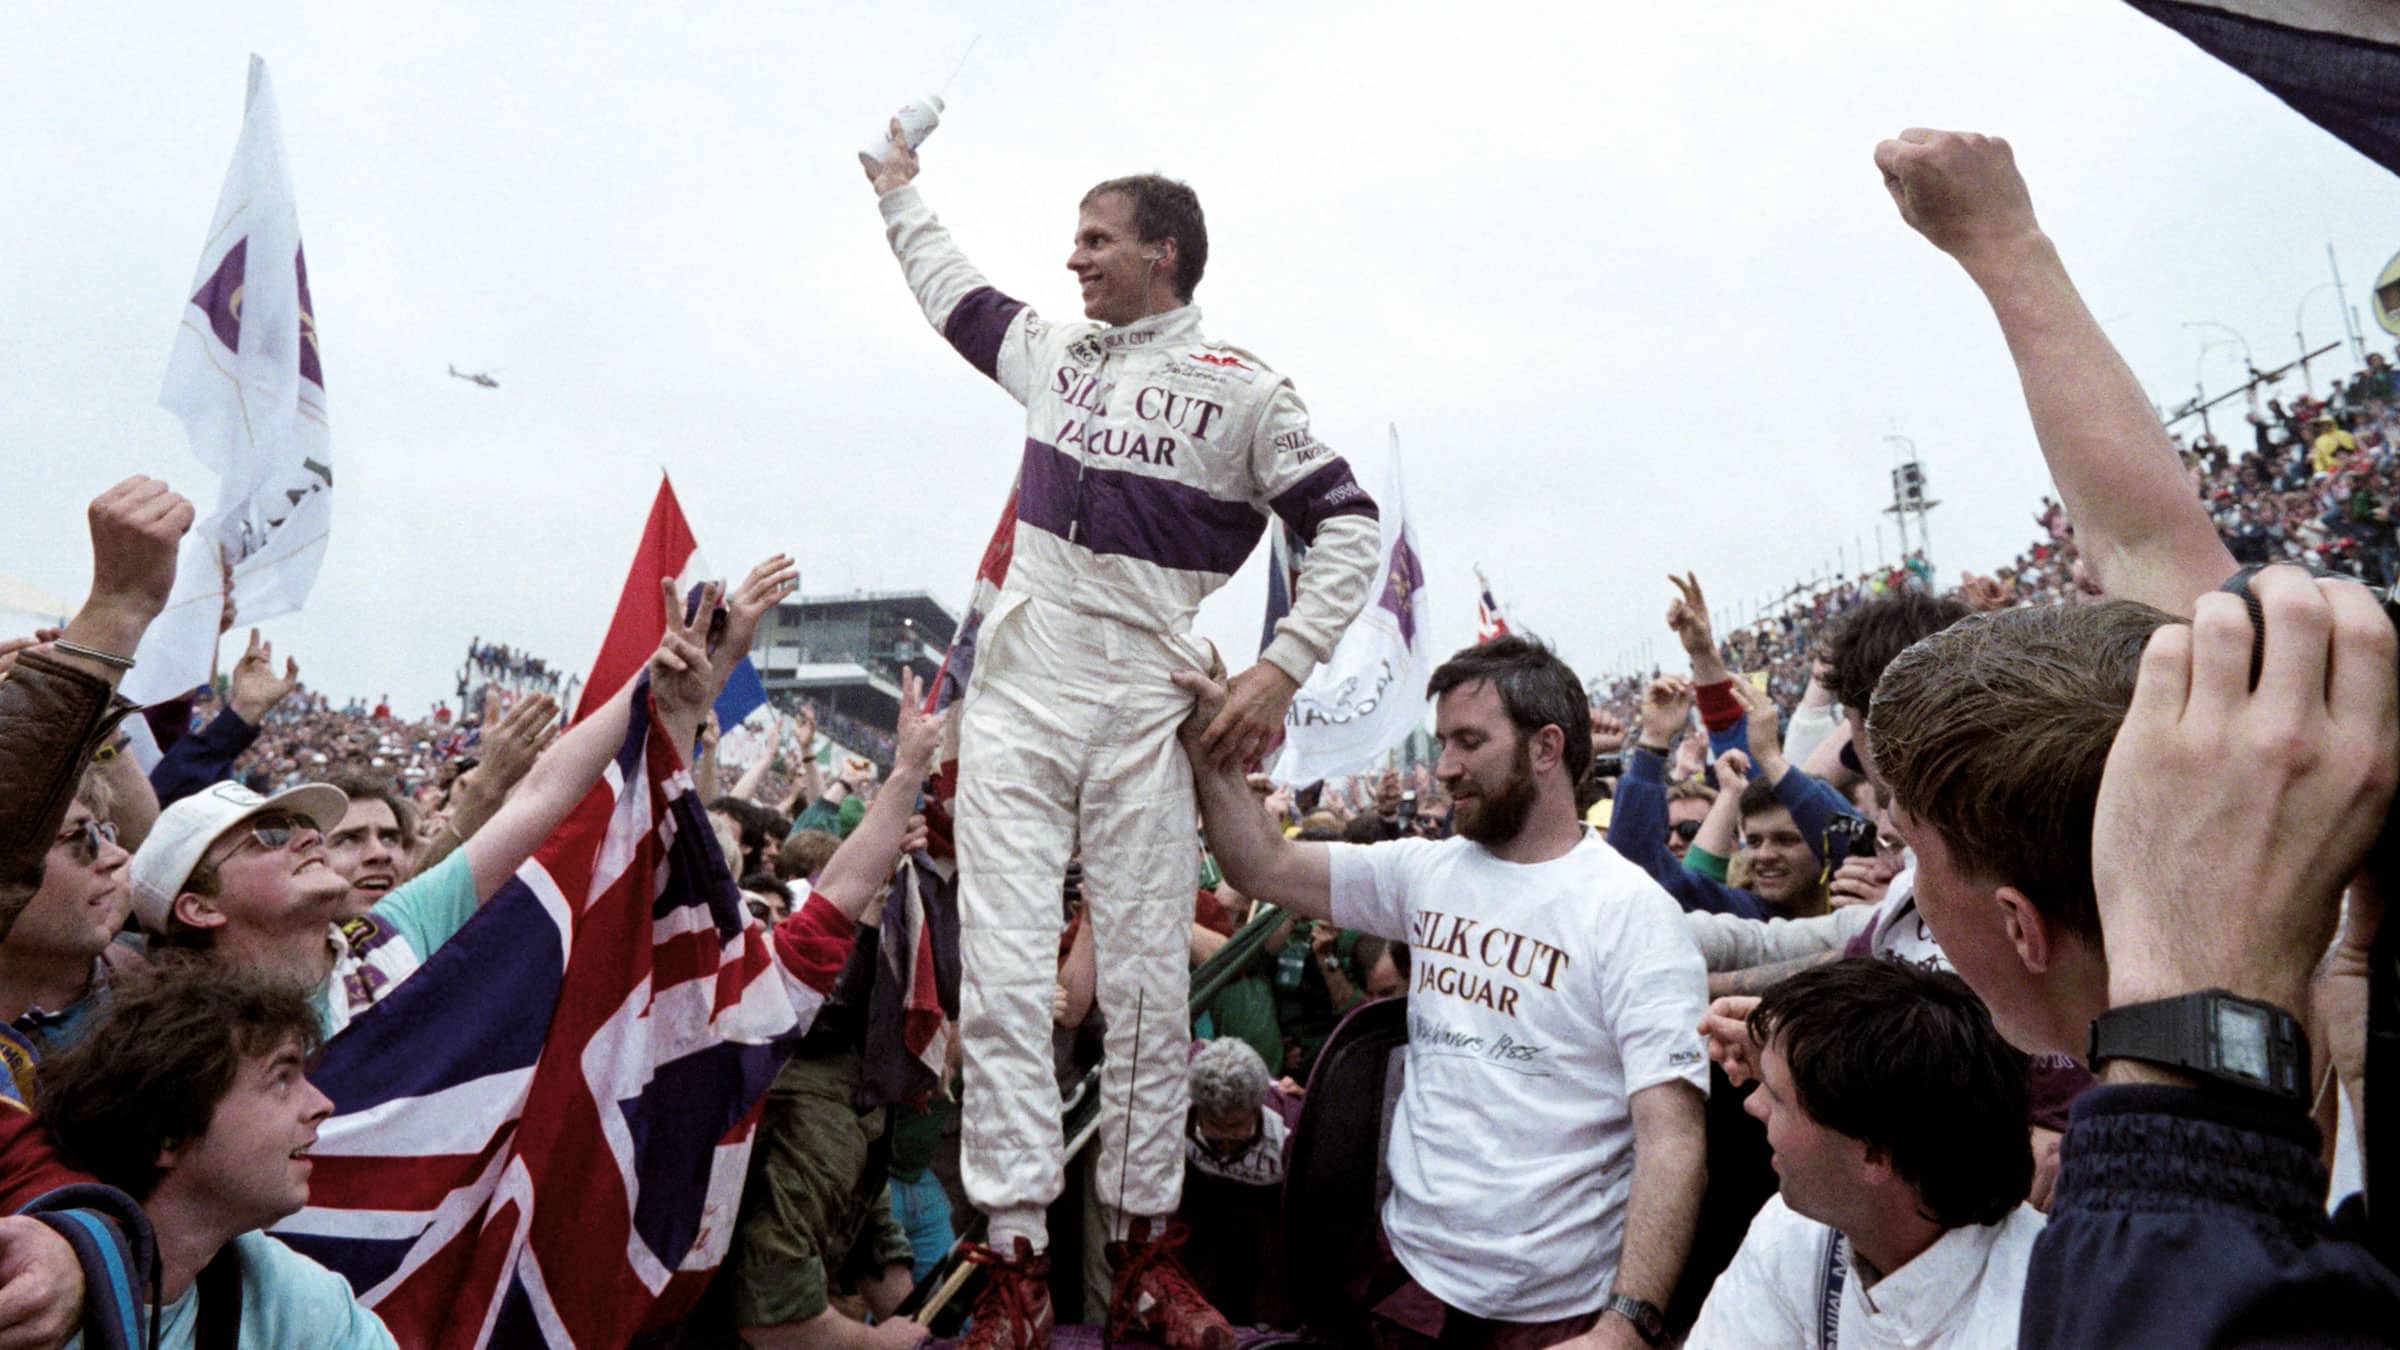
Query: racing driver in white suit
[1153,458]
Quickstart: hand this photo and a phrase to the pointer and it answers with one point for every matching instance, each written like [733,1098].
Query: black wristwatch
[2219,1037]
[1648,1321]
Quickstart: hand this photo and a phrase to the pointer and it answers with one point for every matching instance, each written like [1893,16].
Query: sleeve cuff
[2144,1147]
[1644,765]
[1719,707]
[1290,655]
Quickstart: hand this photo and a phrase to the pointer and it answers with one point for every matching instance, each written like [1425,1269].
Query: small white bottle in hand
[917,122]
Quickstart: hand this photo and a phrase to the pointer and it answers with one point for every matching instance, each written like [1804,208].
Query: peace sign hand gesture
[683,680]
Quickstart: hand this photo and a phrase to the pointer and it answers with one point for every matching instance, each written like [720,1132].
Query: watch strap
[1648,1321]
[2189,1033]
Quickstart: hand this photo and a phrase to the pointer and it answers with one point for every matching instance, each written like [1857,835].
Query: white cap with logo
[184,831]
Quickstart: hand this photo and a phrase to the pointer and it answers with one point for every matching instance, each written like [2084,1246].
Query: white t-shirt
[1541,998]
[1900,932]
[1961,1293]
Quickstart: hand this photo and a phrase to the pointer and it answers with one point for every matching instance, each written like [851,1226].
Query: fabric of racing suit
[1152,460]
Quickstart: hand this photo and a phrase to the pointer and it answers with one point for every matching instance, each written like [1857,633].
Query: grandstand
[844,655]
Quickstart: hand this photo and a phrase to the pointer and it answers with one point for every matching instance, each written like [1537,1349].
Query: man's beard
[1496,816]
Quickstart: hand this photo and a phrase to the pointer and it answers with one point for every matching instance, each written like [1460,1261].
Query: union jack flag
[958,663]
[1489,621]
[540,1138]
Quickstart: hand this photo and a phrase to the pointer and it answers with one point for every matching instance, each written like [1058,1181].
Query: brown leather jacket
[53,716]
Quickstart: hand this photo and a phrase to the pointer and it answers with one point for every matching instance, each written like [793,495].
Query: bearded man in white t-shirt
[1547,1158]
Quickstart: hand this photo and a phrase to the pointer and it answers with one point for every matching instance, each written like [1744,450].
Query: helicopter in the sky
[475,377]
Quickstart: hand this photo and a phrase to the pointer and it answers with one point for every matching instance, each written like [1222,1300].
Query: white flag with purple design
[1370,694]
[245,380]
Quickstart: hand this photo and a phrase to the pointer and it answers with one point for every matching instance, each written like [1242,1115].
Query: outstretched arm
[855,876]
[681,683]
[2137,521]
[1255,856]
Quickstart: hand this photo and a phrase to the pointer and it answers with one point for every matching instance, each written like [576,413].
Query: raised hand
[511,745]
[136,528]
[768,585]
[1666,711]
[682,680]
[1733,772]
[1691,756]
[918,736]
[2175,833]
[1608,732]
[1766,729]
[1687,614]
[897,167]
[254,688]
[1959,189]
[1277,803]
[1984,594]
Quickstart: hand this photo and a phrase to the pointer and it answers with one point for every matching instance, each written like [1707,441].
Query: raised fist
[1959,189]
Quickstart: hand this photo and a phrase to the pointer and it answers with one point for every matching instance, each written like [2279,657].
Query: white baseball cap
[183,832]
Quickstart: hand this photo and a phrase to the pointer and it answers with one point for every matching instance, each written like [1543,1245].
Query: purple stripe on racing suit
[1134,515]
[976,327]
[1324,494]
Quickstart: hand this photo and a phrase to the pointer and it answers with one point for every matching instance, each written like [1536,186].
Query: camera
[1848,837]
[1609,766]
[2383,979]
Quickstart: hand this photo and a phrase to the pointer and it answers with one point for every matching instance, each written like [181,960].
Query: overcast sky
[1624,277]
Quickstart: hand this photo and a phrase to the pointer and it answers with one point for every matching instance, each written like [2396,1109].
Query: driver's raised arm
[996,333]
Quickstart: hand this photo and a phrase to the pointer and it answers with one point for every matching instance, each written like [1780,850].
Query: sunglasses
[1685,830]
[273,833]
[88,837]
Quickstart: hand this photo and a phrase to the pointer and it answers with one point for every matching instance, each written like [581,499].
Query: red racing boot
[1154,1296]
[1013,1311]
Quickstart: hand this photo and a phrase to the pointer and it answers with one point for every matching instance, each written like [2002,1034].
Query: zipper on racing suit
[1083,454]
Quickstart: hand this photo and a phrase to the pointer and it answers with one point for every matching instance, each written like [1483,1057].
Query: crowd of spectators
[520,669]
[2319,483]
[1840,1031]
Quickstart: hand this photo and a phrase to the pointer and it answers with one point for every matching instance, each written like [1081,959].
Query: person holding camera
[2135,849]
[2193,1174]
